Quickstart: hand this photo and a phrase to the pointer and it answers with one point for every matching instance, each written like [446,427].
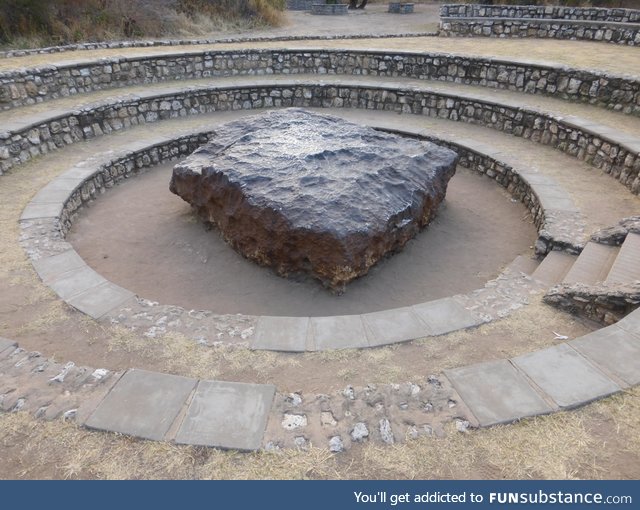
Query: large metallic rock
[304,192]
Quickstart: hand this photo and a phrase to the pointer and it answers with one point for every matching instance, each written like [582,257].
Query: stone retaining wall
[111,173]
[323,9]
[621,33]
[617,159]
[400,8]
[606,304]
[195,42]
[29,86]
[616,235]
[556,229]
[503,174]
[301,5]
[540,12]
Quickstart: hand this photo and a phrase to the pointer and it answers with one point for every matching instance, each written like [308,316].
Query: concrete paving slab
[445,315]
[281,334]
[553,268]
[50,268]
[142,404]
[5,344]
[631,322]
[555,202]
[227,415]
[523,264]
[392,326]
[564,375]
[101,299]
[338,332]
[91,401]
[56,191]
[81,171]
[536,179]
[626,268]
[592,265]
[614,350]
[34,211]
[496,392]
[76,281]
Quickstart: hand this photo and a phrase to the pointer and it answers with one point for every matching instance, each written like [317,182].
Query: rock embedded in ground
[336,445]
[308,193]
[360,432]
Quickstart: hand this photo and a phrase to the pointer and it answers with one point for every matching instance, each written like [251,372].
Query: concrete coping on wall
[196,42]
[544,21]
[539,12]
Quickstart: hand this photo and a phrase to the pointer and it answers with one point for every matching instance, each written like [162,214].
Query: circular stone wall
[147,240]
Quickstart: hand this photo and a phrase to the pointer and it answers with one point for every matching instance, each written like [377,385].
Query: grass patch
[36,23]
[179,354]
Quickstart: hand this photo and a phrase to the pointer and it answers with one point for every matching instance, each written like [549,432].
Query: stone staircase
[553,268]
[596,264]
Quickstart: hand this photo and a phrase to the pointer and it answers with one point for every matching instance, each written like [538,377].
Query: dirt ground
[146,239]
[601,440]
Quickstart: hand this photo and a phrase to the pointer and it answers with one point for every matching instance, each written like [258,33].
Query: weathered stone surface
[303,192]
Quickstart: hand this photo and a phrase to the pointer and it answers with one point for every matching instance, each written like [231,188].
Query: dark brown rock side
[304,192]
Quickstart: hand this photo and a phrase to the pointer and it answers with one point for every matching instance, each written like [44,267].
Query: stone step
[554,267]
[593,264]
[626,268]
[524,264]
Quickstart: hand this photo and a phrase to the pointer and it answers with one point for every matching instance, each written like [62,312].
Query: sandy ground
[146,239]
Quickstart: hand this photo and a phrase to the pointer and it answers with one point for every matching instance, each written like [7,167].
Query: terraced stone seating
[300,5]
[400,8]
[325,9]
[620,26]
[548,164]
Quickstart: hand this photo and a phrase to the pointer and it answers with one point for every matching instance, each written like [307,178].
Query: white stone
[359,432]
[385,432]
[336,445]
[294,421]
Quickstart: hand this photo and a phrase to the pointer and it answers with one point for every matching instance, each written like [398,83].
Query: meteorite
[303,192]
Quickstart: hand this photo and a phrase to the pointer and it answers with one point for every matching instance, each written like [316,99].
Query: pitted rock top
[301,191]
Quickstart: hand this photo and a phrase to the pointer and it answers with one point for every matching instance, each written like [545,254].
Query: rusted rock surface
[304,192]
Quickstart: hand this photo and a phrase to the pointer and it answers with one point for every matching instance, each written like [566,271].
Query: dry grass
[563,446]
[181,355]
[531,327]
[56,312]
[37,23]
[624,411]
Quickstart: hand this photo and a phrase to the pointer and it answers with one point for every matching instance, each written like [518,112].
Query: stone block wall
[25,87]
[400,7]
[606,304]
[540,12]
[301,5]
[628,34]
[123,167]
[617,159]
[329,9]
[503,174]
